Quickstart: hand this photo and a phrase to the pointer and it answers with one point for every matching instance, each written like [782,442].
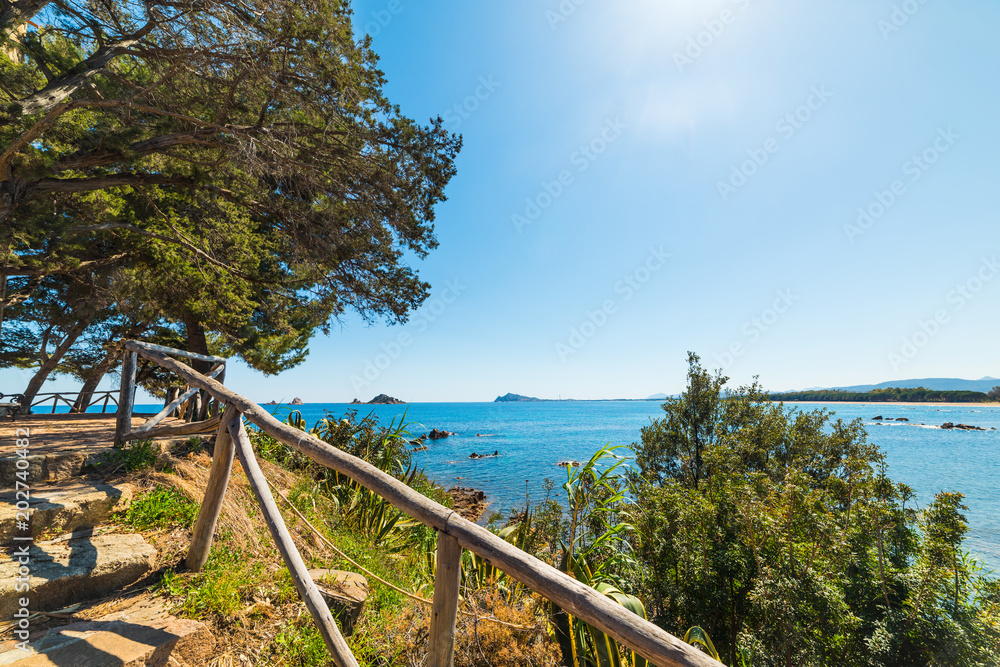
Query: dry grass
[240,520]
[478,642]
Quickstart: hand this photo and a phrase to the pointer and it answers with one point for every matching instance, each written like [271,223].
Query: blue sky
[643,178]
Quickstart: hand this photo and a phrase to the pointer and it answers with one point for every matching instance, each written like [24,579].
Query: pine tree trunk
[94,378]
[197,343]
[49,363]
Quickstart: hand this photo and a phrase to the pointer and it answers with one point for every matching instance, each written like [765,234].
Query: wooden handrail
[149,429]
[173,352]
[42,398]
[215,493]
[444,609]
[646,639]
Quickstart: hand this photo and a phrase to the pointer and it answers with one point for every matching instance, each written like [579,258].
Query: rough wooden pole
[126,398]
[215,492]
[444,611]
[173,402]
[283,540]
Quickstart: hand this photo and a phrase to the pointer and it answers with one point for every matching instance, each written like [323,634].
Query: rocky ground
[470,503]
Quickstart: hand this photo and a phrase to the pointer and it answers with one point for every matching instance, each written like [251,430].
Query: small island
[381,399]
[517,398]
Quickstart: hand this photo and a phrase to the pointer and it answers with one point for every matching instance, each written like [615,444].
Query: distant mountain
[657,397]
[939,384]
[517,398]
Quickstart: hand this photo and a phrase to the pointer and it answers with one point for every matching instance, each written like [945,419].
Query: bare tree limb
[64,86]
[102,182]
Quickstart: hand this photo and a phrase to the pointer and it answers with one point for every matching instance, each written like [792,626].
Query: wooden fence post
[289,552]
[215,493]
[126,399]
[444,611]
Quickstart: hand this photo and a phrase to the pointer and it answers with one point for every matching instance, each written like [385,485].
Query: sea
[531,439]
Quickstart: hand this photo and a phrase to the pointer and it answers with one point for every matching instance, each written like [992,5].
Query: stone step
[78,566]
[142,634]
[61,508]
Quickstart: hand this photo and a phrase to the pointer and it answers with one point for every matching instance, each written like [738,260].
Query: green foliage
[994,394]
[222,587]
[889,395]
[698,637]
[781,535]
[163,507]
[301,644]
[356,506]
[587,541]
[132,456]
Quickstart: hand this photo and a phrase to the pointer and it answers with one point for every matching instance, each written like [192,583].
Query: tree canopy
[233,166]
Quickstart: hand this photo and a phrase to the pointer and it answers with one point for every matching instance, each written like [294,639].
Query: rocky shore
[947,426]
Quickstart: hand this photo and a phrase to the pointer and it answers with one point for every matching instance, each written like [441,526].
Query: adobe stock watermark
[957,299]
[757,326]
[786,128]
[899,17]
[470,105]
[914,168]
[381,18]
[21,627]
[595,320]
[705,39]
[430,312]
[563,11]
[581,159]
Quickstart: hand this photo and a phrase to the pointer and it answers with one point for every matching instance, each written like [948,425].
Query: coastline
[992,404]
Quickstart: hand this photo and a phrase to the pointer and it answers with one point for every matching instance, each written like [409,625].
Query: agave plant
[358,507]
[594,553]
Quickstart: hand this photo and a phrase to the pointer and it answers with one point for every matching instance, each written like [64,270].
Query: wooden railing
[454,532]
[188,403]
[62,397]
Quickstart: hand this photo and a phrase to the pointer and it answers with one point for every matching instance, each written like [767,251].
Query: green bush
[781,535]
[163,507]
[132,456]
[223,587]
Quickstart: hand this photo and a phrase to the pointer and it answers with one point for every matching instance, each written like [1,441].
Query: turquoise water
[533,437]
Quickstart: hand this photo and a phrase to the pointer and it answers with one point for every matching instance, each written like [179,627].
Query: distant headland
[518,398]
[889,395]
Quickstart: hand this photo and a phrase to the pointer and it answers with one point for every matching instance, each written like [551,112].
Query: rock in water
[469,503]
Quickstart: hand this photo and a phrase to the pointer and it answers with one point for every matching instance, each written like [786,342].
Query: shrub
[163,507]
[781,535]
[132,456]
